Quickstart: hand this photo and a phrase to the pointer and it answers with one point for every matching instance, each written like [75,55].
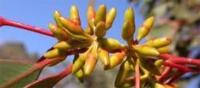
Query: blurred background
[179,19]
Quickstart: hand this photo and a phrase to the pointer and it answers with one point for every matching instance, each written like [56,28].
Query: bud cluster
[72,36]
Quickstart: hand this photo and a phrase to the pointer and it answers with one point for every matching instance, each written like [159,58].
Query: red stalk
[57,78]
[164,74]
[137,76]
[180,60]
[6,22]
[180,67]
[176,76]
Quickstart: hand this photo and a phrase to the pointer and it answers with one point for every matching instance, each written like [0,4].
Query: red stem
[180,67]
[57,77]
[180,60]
[164,74]
[176,76]
[137,76]
[6,22]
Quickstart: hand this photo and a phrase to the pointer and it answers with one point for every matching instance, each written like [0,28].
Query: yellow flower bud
[123,72]
[145,28]
[109,44]
[110,18]
[158,63]
[80,61]
[71,26]
[90,64]
[58,33]
[101,14]
[163,50]
[127,31]
[54,53]
[91,16]
[104,57]
[116,59]
[129,16]
[74,15]
[80,75]
[89,30]
[146,50]
[158,85]
[63,45]
[100,30]
[159,42]
[56,18]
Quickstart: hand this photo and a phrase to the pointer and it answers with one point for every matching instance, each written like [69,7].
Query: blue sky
[39,13]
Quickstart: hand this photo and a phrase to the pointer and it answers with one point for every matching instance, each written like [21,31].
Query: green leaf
[17,74]
[50,81]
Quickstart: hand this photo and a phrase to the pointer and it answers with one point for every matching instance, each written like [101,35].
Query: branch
[180,60]
[137,75]
[180,67]
[6,22]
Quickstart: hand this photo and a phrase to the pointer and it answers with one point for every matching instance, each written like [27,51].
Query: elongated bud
[145,28]
[158,63]
[91,16]
[80,61]
[89,30]
[56,18]
[57,62]
[63,45]
[148,65]
[109,44]
[58,33]
[110,17]
[74,15]
[71,26]
[163,50]
[116,59]
[66,45]
[129,15]
[54,53]
[127,31]
[101,14]
[100,30]
[104,57]
[125,84]
[90,64]
[91,61]
[146,50]
[159,42]
[80,75]
[123,72]
[158,85]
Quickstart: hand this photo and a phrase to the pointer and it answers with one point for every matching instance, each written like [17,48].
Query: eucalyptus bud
[100,30]
[127,31]
[54,53]
[71,26]
[91,16]
[146,50]
[74,15]
[101,14]
[145,28]
[110,17]
[58,33]
[159,42]
[104,57]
